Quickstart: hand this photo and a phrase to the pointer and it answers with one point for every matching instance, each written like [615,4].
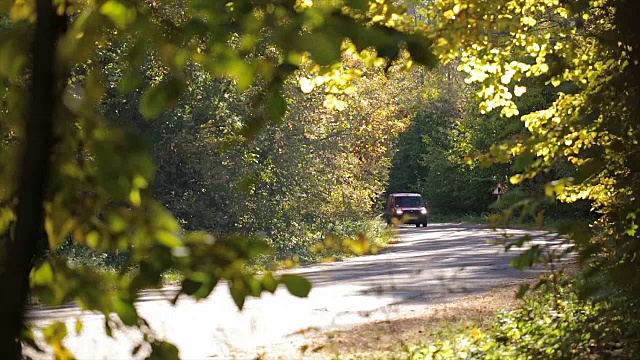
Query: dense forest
[201,138]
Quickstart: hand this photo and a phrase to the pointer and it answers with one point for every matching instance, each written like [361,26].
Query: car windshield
[408,201]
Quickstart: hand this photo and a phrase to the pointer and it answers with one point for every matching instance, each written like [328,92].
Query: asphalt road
[425,266]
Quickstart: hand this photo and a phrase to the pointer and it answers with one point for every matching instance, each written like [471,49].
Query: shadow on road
[428,265]
[425,265]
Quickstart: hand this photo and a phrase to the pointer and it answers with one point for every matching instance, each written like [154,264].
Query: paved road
[425,266]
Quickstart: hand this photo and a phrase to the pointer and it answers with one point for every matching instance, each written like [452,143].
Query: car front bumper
[409,218]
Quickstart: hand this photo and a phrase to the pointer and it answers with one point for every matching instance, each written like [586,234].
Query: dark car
[406,208]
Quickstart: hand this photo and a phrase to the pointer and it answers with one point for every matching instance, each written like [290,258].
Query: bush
[553,323]
[81,255]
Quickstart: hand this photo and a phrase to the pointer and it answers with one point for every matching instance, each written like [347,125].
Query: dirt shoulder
[383,337]
[380,339]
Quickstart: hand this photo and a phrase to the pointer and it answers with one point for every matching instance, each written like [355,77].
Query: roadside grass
[497,221]
[344,241]
[464,218]
[347,240]
[554,322]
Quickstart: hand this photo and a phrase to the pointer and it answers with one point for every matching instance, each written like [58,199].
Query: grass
[549,224]
[363,238]
[349,240]
[551,323]
[455,218]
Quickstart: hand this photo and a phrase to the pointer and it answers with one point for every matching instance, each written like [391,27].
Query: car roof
[405,194]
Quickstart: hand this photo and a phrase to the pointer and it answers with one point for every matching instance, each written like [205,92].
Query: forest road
[424,266]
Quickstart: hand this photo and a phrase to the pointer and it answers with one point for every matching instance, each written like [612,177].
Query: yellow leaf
[92,239]
[21,10]
[519,90]
[306,85]
[134,197]
[516,179]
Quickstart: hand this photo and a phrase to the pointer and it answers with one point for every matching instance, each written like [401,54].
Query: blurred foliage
[177,82]
[196,136]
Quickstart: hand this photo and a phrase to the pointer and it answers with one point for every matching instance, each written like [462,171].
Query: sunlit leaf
[118,12]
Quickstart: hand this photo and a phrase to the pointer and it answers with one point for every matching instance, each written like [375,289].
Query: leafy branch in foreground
[97,191]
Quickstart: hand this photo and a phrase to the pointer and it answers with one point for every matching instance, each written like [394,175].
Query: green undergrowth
[344,240]
[554,322]
[547,223]
[459,218]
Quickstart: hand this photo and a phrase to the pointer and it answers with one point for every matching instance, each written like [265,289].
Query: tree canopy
[586,53]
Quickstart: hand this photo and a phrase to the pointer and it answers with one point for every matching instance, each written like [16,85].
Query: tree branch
[33,180]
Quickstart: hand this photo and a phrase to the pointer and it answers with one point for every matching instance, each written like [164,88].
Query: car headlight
[398,211]
[423,211]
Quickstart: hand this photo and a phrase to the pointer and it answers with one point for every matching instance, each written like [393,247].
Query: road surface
[425,266]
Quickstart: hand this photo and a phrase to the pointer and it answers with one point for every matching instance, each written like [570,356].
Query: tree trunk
[33,181]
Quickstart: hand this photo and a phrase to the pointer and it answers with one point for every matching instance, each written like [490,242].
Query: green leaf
[269,283]
[358,4]
[135,198]
[238,293]
[43,275]
[297,285]
[160,96]
[130,82]
[518,242]
[255,286]
[523,161]
[6,217]
[168,239]
[119,13]
[107,327]
[14,54]
[588,169]
[199,289]
[126,311]
[527,258]
[55,332]
[241,71]
[522,290]
[276,104]
[79,327]
[190,287]
[162,350]
[421,52]
[324,49]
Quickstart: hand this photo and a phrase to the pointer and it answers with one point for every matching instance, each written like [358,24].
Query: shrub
[553,323]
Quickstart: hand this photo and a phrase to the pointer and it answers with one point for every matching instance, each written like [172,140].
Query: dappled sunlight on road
[426,266]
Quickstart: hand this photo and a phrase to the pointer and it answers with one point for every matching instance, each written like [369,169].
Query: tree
[84,178]
[586,50]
